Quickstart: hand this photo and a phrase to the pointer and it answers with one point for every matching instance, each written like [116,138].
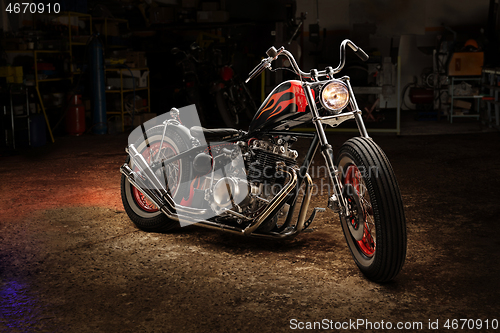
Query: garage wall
[333,15]
[411,16]
[375,24]
[453,13]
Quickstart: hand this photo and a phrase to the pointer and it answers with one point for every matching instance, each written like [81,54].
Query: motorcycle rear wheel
[145,215]
[375,203]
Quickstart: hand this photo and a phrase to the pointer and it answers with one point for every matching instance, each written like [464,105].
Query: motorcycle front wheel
[248,102]
[375,227]
[226,109]
[141,211]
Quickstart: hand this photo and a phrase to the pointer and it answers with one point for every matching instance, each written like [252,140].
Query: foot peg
[311,218]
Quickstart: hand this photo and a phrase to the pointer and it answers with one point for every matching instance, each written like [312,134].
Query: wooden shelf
[126,69]
[491,77]
[55,79]
[454,79]
[121,72]
[126,90]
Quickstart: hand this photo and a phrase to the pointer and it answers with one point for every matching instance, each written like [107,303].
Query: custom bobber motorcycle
[249,183]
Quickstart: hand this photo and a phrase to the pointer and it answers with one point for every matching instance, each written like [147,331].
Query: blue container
[38,133]
[99,121]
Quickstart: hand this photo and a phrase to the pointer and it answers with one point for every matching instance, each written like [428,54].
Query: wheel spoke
[368,243]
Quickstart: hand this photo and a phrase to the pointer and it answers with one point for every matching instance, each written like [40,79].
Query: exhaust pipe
[273,204]
[305,204]
[152,195]
[166,209]
[145,170]
[148,184]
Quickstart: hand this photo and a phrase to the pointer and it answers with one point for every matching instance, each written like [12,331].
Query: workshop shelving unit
[69,51]
[454,81]
[122,90]
[15,119]
[38,54]
[491,81]
[106,31]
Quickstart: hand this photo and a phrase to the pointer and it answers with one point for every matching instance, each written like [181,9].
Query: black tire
[156,221]
[230,118]
[375,196]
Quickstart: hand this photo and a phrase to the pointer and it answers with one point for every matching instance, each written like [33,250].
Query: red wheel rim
[367,244]
[144,203]
[167,151]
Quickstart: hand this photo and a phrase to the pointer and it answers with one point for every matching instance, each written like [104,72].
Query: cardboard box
[210,6]
[80,39]
[138,58]
[137,120]
[112,28]
[141,76]
[162,15]
[147,116]
[460,104]
[128,83]
[138,104]
[190,3]
[18,71]
[6,71]
[466,64]
[18,74]
[214,16]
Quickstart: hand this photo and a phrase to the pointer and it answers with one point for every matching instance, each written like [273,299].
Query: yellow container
[18,71]
[6,71]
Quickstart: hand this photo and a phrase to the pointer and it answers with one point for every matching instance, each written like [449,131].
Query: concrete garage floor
[72,261]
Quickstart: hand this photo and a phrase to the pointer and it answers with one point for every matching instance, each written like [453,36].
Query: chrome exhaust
[153,196]
[273,235]
[165,202]
[301,219]
[156,193]
[274,203]
[156,185]
[305,204]
[138,160]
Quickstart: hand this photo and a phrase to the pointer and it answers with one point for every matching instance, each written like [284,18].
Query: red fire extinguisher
[75,118]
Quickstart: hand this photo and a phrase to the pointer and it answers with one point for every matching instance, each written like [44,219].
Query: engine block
[265,155]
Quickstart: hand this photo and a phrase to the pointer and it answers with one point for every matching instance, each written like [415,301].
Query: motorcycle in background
[192,84]
[234,100]
[250,182]
[230,96]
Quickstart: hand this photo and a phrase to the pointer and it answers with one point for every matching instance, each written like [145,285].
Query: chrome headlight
[334,96]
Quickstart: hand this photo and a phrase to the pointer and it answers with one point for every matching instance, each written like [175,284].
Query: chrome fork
[326,148]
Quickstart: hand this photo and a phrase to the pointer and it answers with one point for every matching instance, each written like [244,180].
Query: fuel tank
[286,105]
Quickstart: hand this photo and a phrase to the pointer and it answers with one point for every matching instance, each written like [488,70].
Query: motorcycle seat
[214,134]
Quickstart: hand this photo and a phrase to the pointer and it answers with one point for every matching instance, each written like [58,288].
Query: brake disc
[355,219]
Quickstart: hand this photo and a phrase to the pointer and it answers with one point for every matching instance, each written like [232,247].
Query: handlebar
[265,63]
[361,54]
[273,54]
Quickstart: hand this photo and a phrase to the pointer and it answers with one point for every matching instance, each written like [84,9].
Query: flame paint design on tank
[286,100]
[292,95]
